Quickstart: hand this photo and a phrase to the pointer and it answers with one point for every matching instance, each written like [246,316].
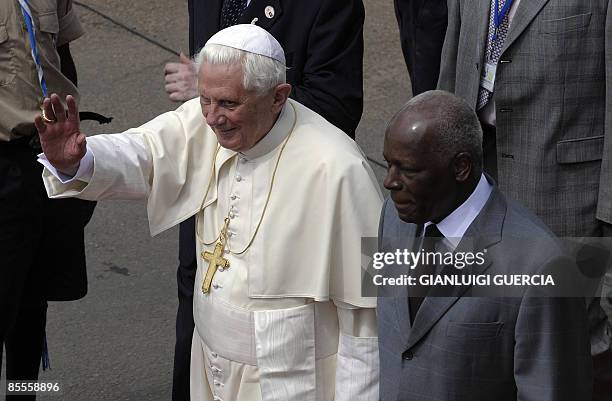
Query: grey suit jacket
[464,348]
[553,104]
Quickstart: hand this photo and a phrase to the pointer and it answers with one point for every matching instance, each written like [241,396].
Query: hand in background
[62,142]
[181,79]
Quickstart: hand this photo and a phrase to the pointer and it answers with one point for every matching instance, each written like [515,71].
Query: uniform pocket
[7,58]
[48,27]
[3,34]
[48,23]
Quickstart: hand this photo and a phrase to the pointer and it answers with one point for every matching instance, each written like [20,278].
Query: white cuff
[84,173]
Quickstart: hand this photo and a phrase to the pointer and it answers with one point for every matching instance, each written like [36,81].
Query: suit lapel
[213,8]
[401,295]
[267,13]
[525,13]
[482,9]
[482,233]
[398,235]
[213,16]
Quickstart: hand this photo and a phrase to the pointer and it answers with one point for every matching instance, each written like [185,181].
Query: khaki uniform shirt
[20,92]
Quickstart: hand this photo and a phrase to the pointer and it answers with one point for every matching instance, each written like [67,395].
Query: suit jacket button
[407,355]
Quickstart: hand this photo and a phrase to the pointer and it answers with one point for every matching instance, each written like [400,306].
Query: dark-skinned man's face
[421,183]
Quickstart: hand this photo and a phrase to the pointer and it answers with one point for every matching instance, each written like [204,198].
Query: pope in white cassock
[282,199]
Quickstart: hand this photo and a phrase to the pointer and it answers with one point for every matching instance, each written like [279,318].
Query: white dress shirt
[454,226]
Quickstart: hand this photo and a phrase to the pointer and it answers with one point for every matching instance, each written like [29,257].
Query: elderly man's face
[422,184]
[238,117]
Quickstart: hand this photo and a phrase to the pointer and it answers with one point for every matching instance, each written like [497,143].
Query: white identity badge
[488,76]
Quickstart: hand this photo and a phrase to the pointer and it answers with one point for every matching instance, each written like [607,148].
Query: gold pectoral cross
[215,259]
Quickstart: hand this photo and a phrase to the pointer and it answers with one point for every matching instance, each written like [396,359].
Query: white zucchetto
[250,38]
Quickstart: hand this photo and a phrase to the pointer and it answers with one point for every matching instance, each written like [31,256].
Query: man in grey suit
[549,106]
[539,74]
[445,343]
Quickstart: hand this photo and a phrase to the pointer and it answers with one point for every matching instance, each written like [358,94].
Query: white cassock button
[232,215]
[243,159]
[221,269]
[213,354]
[269,11]
[238,178]
[233,197]
[216,286]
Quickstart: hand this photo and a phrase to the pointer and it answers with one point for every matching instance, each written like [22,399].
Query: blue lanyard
[499,15]
[27,16]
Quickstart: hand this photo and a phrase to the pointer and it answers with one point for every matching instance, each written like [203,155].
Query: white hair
[458,127]
[260,73]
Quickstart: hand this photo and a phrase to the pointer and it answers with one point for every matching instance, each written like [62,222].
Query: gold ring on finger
[47,119]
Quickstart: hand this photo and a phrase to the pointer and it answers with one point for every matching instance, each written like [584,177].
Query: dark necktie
[231,12]
[494,48]
[417,293]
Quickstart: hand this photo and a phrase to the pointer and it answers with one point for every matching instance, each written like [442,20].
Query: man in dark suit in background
[447,343]
[323,43]
[422,25]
